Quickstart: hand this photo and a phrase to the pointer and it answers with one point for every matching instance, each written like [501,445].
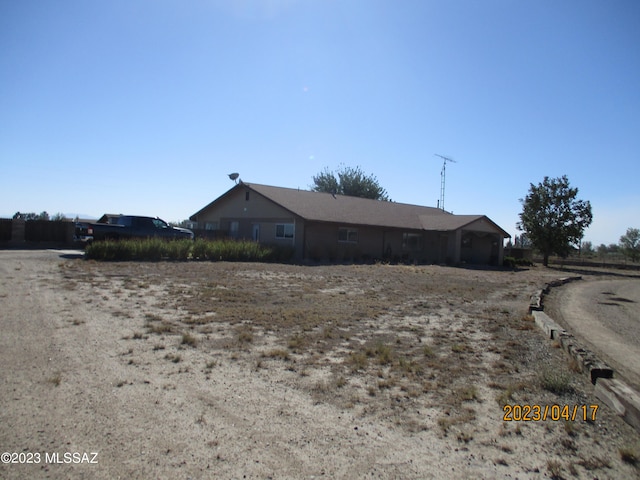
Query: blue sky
[145,106]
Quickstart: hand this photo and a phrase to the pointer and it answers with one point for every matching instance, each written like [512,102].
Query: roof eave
[225,194]
[495,225]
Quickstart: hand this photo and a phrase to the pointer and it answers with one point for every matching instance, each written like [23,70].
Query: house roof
[326,207]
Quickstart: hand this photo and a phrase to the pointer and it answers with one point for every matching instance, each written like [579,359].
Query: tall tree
[553,218]
[630,244]
[349,181]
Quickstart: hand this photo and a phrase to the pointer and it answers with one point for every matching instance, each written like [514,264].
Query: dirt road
[186,370]
[605,314]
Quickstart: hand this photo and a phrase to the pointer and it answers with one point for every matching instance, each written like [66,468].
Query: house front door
[256,232]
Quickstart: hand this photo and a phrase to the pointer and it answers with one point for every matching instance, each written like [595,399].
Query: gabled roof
[326,207]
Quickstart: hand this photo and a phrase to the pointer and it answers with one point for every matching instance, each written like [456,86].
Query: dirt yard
[230,370]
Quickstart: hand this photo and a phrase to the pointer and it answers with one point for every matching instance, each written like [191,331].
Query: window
[284,230]
[157,223]
[234,227]
[211,226]
[348,235]
[246,195]
[412,241]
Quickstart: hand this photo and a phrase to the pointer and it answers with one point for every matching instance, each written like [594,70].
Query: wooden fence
[15,233]
[5,229]
[616,261]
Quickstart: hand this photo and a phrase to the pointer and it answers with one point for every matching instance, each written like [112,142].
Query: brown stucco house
[338,227]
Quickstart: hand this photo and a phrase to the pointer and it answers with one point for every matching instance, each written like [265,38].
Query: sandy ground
[217,370]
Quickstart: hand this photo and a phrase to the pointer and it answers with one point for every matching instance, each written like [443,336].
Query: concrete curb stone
[621,398]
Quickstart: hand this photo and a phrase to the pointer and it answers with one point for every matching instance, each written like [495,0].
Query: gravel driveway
[603,312]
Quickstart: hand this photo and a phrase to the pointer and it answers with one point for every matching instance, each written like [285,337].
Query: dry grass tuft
[277,353]
[175,358]
[188,339]
[629,455]
[555,381]
[555,469]
[56,379]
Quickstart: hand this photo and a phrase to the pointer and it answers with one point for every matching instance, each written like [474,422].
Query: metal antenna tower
[442,177]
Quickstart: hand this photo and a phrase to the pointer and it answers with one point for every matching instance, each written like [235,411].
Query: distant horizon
[177,221]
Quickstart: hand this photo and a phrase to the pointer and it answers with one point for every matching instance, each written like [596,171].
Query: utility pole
[442,177]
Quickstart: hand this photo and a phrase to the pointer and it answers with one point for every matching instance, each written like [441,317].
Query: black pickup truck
[115,227]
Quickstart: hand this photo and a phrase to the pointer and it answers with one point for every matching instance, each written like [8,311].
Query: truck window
[126,221]
[140,222]
[159,223]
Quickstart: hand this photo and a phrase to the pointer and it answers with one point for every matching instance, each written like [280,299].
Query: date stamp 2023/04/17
[541,413]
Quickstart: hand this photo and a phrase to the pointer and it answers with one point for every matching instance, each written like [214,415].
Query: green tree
[553,218]
[349,181]
[630,244]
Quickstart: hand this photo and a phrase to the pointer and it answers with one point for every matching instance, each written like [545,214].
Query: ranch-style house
[323,226]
